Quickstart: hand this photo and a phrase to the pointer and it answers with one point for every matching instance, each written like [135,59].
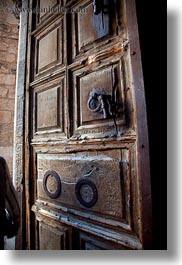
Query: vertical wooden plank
[142,128]
[18,160]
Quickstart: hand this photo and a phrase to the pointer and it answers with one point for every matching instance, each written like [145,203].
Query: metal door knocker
[99,102]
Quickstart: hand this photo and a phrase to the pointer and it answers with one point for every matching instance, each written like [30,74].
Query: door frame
[20,151]
[142,124]
[22,169]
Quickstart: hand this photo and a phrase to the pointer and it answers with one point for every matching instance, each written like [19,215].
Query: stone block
[4,46]
[6,128]
[5,27]
[8,57]
[7,79]
[3,92]
[5,116]
[4,68]
[6,140]
[13,69]
[7,104]
[11,42]
[11,93]
[12,50]
[15,29]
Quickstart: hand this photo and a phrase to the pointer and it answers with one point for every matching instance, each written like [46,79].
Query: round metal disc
[86,193]
[52,184]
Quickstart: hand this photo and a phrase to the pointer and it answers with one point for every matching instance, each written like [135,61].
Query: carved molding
[17,6]
[17,3]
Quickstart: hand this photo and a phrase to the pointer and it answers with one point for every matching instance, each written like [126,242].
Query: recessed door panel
[49,47]
[47,44]
[46,9]
[53,237]
[45,5]
[89,28]
[91,112]
[50,119]
[88,242]
[90,183]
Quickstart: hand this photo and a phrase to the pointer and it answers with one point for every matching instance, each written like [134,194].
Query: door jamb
[142,126]
[19,125]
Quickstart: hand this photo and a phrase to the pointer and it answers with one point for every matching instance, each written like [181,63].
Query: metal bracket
[99,102]
[101,6]
[97,6]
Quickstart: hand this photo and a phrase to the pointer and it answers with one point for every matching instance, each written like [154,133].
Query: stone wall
[8,60]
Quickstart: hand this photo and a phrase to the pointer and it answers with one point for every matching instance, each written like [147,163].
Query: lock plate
[52,184]
[86,193]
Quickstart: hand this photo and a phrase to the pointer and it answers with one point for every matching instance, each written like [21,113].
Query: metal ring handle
[97,109]
[94,95]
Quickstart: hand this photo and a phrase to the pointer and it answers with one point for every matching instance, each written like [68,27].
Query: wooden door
[89,183]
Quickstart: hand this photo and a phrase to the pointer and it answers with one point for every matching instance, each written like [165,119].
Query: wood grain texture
[48,46]
[143,160]
[71,169]
[86,52]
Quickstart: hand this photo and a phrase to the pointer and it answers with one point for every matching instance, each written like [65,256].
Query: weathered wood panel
[88,242]
[89,29]
[104,171]
[109,80]
[49,117]
[86,170]
[47,10]
[53,238]
[53,118]
[48,46]
[46,4]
